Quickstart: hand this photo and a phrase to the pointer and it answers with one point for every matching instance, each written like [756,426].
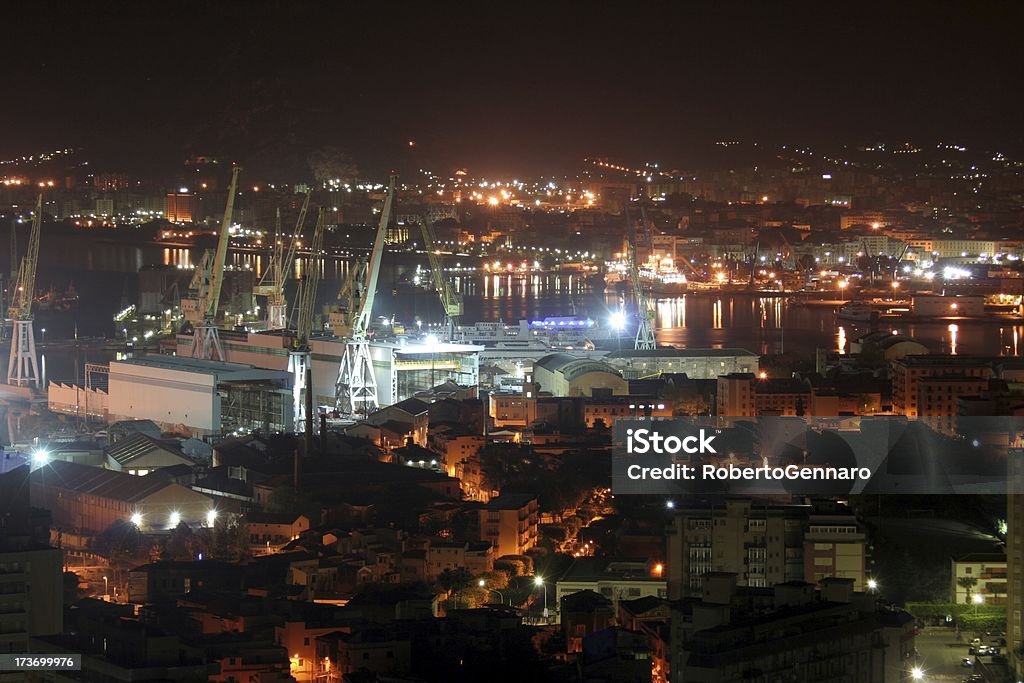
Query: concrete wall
[166,396]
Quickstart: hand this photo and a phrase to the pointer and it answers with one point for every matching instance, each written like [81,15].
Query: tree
[968,582]
[119,542]
[455,579]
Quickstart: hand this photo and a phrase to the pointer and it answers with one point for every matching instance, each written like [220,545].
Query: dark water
[104,273]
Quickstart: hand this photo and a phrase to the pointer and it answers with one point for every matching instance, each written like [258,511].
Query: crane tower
[23,366]
[206,337]
[356,390]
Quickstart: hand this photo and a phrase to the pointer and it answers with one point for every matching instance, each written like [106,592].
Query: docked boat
[856,311]
[559,332]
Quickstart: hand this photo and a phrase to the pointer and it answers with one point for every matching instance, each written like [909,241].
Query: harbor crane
[23,366]
[349,298]
[450,299]
[300,361]
[356,389]
[281,264]
[645,319]
[205,335]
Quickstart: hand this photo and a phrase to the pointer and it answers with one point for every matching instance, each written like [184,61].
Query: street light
[917,673]
[872,585]
[842,289]
[978,600]
[539,581]
[106,591]
[483,584]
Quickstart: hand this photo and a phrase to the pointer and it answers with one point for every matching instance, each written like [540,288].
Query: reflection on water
[103,272]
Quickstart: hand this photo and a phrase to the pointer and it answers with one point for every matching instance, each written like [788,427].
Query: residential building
[981,574]
[909,371]
[736,396]
[789,632]
[509,523]
[615,579]
[268,531]
[763,543]
[835,545]
[31,572]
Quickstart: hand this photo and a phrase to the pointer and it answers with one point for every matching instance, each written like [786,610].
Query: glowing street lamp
[843,284]
[539,581]
[136,518]
[978,599]
[917,673]
[872,585]
[211,517]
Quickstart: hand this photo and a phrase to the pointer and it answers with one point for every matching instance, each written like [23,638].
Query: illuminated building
[180,207]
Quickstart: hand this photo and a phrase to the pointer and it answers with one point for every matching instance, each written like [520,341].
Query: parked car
[967,661]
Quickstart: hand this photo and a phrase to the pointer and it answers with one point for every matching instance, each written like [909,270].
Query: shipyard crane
[645,328]
[356,390]
[23,366]
[206,337]
[349,298]
[450,300]
[300,357]
[281,263]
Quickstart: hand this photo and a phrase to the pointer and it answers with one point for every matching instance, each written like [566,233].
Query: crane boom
[25,288]
[307,293]
[356,389]
[361,323]
[23,365]
[221,255]
[286,264]
[450,300]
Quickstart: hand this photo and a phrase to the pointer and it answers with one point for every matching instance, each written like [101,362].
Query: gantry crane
[451,302]
[23,366]
[206,337]
[300,357]
[356,390]
[281,263]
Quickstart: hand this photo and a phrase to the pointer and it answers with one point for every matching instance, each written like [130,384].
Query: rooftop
[673,352]
[72,476]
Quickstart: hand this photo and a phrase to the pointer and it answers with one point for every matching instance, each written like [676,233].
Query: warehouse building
[560,374]
[200,397]
[694,363]
[89,499]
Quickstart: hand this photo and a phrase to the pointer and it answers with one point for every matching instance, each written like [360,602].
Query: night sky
[501,87]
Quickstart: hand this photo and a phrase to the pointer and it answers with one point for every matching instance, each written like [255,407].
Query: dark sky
[502,86]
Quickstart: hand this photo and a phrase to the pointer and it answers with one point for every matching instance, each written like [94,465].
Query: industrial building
[402,368]
[200,397]
[563,375]
[694,363]
[89,500]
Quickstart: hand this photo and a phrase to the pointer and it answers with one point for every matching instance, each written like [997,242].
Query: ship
[557,332]
[856,311]
[56,301]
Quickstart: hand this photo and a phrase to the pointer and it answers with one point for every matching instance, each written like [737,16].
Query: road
[940,656]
